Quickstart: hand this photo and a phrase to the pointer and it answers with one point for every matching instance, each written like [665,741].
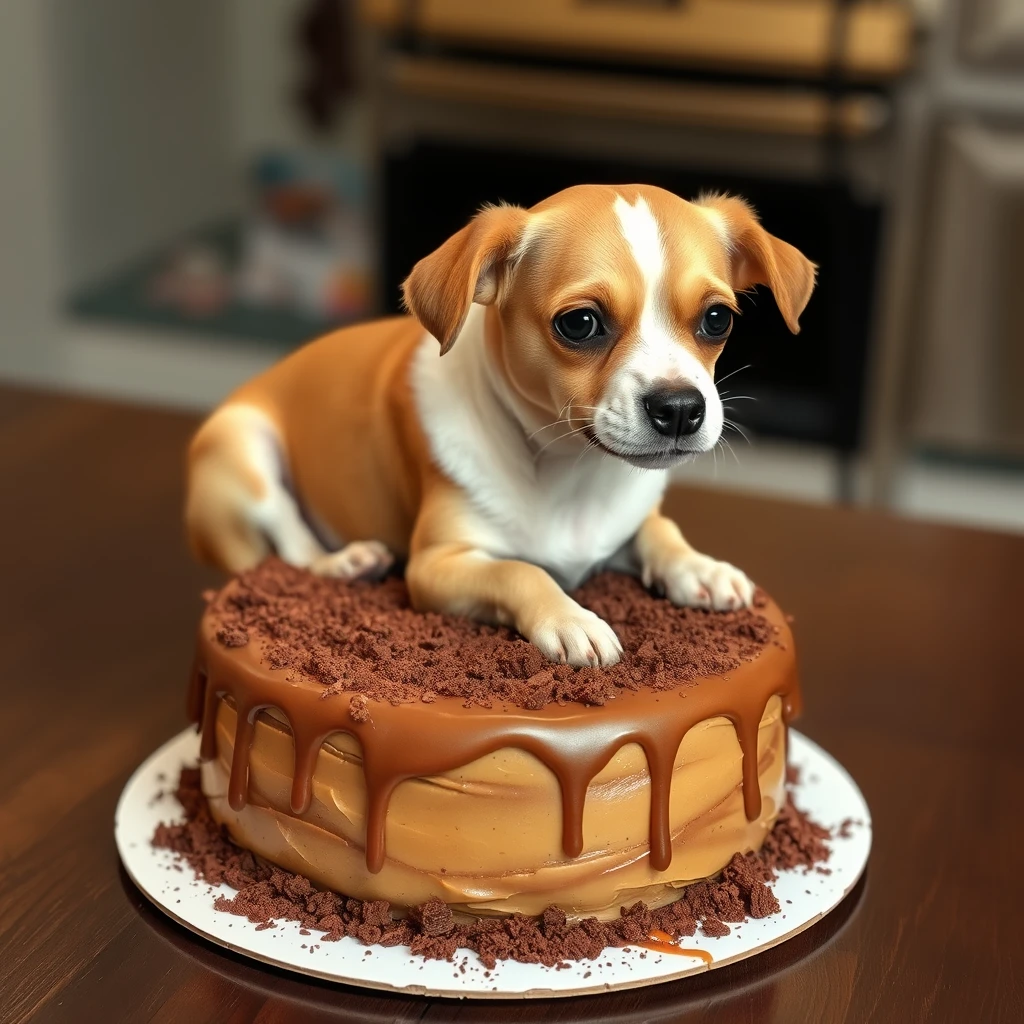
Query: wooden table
[911,641]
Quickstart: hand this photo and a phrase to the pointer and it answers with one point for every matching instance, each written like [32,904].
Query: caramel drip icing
[418,740]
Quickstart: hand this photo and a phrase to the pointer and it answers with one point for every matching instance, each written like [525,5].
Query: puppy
[579,341]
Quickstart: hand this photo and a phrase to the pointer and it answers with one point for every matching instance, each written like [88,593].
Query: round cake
[392,755]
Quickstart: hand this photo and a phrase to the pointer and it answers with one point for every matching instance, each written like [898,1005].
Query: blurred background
[191,188]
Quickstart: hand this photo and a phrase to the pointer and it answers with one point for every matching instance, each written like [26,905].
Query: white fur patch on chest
[576,516]
[565,513]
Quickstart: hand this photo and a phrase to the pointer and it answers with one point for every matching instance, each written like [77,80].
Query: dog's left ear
[761,258]
[468,268]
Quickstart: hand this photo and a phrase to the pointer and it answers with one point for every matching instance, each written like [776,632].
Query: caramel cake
[392,755]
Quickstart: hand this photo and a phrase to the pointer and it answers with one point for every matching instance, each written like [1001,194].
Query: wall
[28,219]
[142,119]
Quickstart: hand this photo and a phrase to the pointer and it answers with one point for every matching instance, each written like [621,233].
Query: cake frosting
[656,777]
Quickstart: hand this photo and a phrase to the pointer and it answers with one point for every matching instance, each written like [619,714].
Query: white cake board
[825,791]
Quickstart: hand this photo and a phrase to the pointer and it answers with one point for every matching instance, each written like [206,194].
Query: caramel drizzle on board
[411,741]
[662,942]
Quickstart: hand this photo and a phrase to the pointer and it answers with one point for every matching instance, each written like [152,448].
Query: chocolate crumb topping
[267,894]
[433,917]
[358,709]
[232,637]
[365,637]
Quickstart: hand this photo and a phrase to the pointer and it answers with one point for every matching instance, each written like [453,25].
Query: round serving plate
[824,790]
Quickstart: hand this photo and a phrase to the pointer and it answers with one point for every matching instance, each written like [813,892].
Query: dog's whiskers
[723,442]
[591,443]
[567,421]
[561,437]
[732,424]
[733,373]
[728,408]
[547,426]
[556,421]
[562,418]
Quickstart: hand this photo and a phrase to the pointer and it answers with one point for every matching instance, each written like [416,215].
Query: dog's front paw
[575,636]
[362,559]
[697,581]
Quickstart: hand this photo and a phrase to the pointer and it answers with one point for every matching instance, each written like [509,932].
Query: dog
[514,434]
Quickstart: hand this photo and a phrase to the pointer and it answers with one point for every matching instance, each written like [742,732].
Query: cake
[391,755]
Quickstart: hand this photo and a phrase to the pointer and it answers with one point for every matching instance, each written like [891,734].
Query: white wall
[143,126]
[28,218]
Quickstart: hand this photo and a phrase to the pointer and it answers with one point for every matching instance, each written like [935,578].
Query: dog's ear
[470,267]
[761,258]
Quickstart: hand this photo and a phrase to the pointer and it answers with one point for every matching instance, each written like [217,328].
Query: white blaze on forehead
[659,355]
[643,236]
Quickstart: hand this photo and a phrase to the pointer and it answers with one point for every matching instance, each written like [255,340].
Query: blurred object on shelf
[195,280]
[298,264]
[307,244]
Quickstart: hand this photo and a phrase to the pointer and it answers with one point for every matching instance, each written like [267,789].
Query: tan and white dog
[579,341]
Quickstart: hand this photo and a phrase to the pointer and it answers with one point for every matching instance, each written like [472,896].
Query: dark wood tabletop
[910,642]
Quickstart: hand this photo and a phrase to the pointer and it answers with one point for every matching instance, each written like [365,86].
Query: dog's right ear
[761,258]
[468,268]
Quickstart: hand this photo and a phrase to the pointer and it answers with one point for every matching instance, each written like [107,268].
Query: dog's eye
[717,322]
[578,325]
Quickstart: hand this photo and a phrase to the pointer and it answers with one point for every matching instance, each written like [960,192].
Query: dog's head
[611,306]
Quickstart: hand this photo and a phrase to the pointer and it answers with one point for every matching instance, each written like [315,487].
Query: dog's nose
[675,411]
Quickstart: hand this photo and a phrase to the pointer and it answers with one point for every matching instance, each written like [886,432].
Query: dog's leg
[463,580]
[238,508]
[361,559]
[667,562]
[450,571]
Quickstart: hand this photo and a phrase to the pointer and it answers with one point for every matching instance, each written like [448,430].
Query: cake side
[497,809]
[486,837]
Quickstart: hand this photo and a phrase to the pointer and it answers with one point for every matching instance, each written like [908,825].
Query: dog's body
[528,456]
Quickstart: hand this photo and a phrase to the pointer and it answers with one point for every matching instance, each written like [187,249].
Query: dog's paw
[576,636]
[362,559]
[697,581]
